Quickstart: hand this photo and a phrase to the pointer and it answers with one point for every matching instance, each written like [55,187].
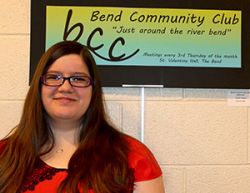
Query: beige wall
[200,141]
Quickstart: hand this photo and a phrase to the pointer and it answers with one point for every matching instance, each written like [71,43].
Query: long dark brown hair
[101,160]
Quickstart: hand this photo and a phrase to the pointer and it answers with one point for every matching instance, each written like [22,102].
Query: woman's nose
[65,86]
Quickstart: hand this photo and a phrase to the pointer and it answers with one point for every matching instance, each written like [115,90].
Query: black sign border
[172,77]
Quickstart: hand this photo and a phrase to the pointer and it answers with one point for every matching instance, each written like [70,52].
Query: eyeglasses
[57,79]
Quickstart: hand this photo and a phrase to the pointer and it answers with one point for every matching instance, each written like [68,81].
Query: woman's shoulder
[137,147]
[142,160]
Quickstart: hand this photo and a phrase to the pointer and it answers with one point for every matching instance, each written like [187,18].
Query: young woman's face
[66,102]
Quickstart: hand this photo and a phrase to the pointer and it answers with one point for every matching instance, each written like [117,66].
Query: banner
[150,36]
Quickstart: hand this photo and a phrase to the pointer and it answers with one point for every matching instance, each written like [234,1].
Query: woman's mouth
[64,100]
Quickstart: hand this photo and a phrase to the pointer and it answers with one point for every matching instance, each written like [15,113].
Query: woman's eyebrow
[53,71]
[80,73]
[72,73]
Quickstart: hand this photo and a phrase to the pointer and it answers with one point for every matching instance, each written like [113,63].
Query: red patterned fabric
[46,178]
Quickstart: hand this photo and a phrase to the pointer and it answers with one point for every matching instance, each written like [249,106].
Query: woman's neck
[66,142]
[65,131]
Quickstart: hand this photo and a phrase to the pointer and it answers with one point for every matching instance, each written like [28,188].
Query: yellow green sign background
[162,37]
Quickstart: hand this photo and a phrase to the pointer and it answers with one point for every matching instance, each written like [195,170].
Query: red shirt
[47,179]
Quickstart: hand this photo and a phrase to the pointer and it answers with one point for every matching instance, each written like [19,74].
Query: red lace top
[47,179]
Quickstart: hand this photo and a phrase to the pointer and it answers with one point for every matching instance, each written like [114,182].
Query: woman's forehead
[69,63]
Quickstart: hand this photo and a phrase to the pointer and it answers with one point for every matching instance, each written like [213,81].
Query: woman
[64,143]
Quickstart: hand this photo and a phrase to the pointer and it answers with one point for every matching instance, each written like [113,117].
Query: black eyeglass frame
[69,78]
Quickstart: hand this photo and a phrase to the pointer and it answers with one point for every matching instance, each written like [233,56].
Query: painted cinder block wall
[201,143]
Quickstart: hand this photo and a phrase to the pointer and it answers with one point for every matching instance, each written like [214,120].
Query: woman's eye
[53,77]
[79,79]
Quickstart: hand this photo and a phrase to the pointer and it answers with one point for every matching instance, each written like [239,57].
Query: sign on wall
[175,44]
